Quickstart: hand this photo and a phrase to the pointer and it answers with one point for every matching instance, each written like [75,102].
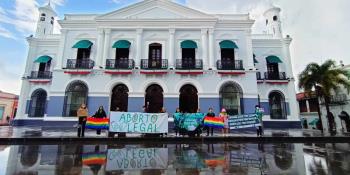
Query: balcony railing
[229,65]
[258,76]
[339,99]
[80,64]
[120,64]
[154,64]
[275,76]
[40,75]
[184,64]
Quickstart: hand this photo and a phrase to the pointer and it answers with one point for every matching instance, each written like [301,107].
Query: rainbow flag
[214,122]
[94,158]
[97,123]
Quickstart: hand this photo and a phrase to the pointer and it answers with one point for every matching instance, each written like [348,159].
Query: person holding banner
[100,113]
[82,114]
[224,116]
[259,114]
[210,114]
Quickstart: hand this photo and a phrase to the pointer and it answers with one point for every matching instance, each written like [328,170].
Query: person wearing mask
[259,114]
[210,114]
[100,113]
[82,114]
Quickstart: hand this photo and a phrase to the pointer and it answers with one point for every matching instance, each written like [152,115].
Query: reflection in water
[193,159]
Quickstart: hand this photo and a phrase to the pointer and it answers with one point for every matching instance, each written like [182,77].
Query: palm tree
[324,79]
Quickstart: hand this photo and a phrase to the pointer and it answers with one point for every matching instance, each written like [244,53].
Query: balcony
[184,64]
[80,64]
[125,64]
[339,99]
[275,76]
[40,75]
[154,64]
[230,65]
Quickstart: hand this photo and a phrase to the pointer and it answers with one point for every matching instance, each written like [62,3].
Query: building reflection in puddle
[154,159]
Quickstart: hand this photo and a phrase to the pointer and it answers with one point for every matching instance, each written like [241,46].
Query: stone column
[138,47]
[248,62]
[60,60]
[107,46]
[211,50]
[287,59]
[171,58]
[205,59]
[100,49]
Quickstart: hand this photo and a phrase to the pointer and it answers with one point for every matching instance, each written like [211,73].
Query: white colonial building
[159,54]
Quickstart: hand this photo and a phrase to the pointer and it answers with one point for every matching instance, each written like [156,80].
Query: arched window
[275,18]
[277,105]
[37,106]
[154,98]
[345,120]
[42,17]
[230,98]
[283,156]
[76,94]
[29,155]
[188,99]
[52,20]
[119,98]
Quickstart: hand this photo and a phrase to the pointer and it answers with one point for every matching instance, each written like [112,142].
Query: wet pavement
[182,159]
[55,132]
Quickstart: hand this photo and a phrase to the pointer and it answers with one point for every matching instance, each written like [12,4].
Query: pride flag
[214,122]
[97,123]
[94,158]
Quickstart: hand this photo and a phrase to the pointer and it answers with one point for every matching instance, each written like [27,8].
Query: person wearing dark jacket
[100,113]
[210,114]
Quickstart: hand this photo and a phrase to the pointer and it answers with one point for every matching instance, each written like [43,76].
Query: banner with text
[188,121]
[135,122]
[137,159]
[243,121]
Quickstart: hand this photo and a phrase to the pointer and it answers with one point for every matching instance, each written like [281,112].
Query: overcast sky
[319,28]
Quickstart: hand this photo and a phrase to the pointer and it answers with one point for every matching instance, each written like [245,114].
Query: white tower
[273,22]
[46,21]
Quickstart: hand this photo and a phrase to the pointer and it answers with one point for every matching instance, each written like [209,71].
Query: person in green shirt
[259,114]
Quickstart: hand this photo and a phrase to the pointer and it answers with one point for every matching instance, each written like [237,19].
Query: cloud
[10,77]
[6,33]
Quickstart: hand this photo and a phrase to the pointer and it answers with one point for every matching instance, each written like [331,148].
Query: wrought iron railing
[189,64]
[275,76]
[80,64]
[40,75]
[154,64]
[229,65]
[120,64]
[339,99]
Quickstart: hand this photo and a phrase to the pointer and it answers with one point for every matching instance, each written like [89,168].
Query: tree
[324,79]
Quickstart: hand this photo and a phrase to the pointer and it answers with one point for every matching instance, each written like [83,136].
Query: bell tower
[46,21]
[273,22]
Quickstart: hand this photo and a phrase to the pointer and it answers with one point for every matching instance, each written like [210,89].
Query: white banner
[137,159]
[135,122]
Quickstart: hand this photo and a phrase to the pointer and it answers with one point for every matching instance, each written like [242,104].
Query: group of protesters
[83,113]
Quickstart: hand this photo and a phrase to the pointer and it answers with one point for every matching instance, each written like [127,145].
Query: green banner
[188,121]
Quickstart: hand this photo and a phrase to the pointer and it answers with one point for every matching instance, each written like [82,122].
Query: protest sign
[188,121]
[137,159]
[135,122]
[243,121]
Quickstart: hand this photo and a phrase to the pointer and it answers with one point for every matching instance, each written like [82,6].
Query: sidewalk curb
[169,140]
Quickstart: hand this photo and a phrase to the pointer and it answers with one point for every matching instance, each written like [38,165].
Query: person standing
[259,114]
[224,116]
[210,114]
[100,113]
[82,114]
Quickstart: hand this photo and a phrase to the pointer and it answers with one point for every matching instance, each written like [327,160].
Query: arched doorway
[283,156]
[345,121]
[76,94]
[120,98]
[188,99]
[154,98]
[38,103]
[230,98]
[277,105]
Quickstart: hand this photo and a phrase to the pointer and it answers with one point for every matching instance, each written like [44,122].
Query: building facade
[308,108]
[157,53]
[8,107]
